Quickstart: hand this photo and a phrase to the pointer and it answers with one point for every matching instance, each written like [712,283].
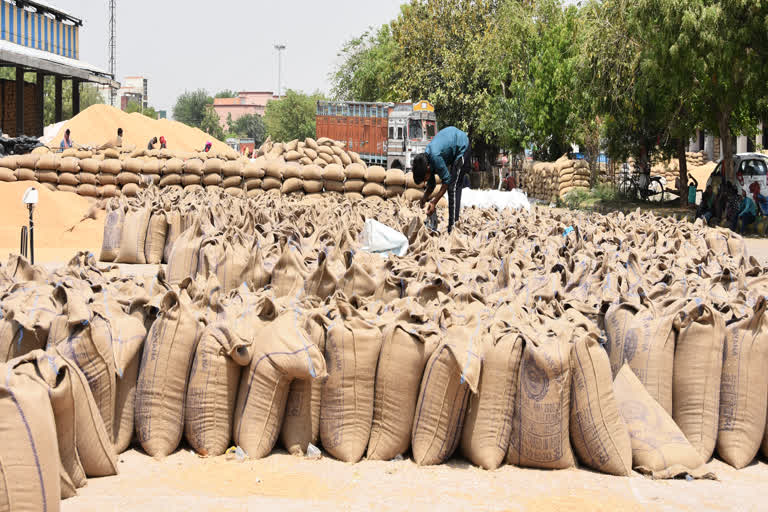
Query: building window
[399,132]
[391,132]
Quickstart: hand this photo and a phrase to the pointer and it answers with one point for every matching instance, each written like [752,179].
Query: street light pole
[279,48]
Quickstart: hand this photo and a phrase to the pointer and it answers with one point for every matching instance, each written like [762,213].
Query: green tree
[190,107]
[210,123]
[135,106]
[367,70]
[226,93]
[292,117]
[251,126]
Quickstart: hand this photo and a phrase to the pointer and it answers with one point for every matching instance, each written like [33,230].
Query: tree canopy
[135,106]
[293,116]
[190,107]
[250,126]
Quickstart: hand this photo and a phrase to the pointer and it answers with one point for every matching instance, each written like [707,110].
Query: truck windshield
[414,130]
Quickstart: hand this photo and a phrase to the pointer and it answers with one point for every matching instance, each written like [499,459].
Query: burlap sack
[333,172]
[334,186]
[282,352]
[25,174]
[185,254]
[255,169]
[408,343]
[346,411]
[193,166]
[291,185]
[232,168]
[111,166]
[210,180]
[228,257]
[312,172]
[212,389]
[271,183]
[177,166]
[697,369]
[163,375]
[540,424]
[450,375]
[154,244]
[28,161]
[29,453]
[355,172]
[354,185]
[232,182]
[598,433]
[394,191]
[395,177]
[106,191]
[113,232]
[301,424]
[645,339]
[357,279]
[191,179]
[7,175]
[134,236]
[274,168]
[376,174]
[133,165]
[24,328]
[213,166]
[659,448]
[374,189]
[69,179]
[289,273]
[488,423]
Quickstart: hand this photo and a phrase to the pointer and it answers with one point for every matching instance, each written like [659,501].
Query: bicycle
[639,184]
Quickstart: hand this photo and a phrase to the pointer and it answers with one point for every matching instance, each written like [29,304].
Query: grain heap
[488,341]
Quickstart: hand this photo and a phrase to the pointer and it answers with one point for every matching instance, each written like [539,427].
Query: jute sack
[409,342]
[106,191]
[255,169]
[374,189]
[232,168]
[274,168]
[322,282]
[191,179]
[170,180]
[29,454]
[334,186]
[697,370]
[357,280]
[354,185]
[113,232]
[744,389]
[413,194]
[173,217]
[598,433]
[176,166]
[229,260]
[24,328]
[28,161]
[212,389]
[83,336]
[163,374]
[111,166]
[282,352]
[210,180]
[301,424]
[271,183]
[291,185]
[134,236]
[133,165]
[213,166]
[395,177]
[395,191]
[193,166]
[333,172]
[90,165]
[48,177]
[346,410]
[645,339]
[488,423]
[69,179]
[155,239]
[24,174]
[450,375]
[312,172]
[7,175]
[289,273]
[540,431]
[659,448]
[355,172]
[185,254]
[312,186]
[376,174]
[232,182]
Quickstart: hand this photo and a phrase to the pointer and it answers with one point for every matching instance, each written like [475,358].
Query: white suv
[750,168]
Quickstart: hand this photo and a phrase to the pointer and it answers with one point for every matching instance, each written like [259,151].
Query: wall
[34,30]
[8,108]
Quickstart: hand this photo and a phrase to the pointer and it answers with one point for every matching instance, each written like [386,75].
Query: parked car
[750,168]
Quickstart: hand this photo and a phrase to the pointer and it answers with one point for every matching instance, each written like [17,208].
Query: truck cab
[411,126]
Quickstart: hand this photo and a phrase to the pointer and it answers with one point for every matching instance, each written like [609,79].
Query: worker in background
[449,155]
[208,146]
[66,142]
[747,213]
[117,142]
[760,200]
[163,144]
[151,143]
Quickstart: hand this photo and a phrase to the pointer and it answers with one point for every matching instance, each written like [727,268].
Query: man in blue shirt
[450,157]
[747,213]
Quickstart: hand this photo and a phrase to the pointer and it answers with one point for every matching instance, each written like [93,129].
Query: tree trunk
[683,172]
[726,148]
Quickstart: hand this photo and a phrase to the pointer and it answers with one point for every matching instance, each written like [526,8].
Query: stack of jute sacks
[574,174]
[549,181]
[320,152]
[513,340]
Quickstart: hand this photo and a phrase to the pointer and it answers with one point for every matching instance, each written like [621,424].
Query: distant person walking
[66,142]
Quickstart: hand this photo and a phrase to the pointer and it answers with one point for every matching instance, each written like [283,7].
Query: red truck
[386,134]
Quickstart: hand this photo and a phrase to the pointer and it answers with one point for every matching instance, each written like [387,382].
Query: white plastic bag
[381,239]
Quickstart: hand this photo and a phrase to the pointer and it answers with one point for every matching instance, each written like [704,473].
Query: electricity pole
[279,48]
[113,48]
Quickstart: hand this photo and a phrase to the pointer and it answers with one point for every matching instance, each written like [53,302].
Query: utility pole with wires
[113,48]
[279,48]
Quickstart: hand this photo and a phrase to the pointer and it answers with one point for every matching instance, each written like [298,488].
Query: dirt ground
[184,481]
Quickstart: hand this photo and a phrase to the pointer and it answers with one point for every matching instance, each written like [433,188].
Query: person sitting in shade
[747,213]
[151,143]
[67,141]
[760,200]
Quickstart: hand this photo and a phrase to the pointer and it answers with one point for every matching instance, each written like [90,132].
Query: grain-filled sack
[88,190]
[274,168]
[598,433]
[90,165]
[125,178]
[376,174]
[301,423]
[193,166]
[312,172]
[408,343]
[228,257]
[155,239]
[107,191]
[26,314]
[48,177]
[211,180]
[394,191]
[213,166]
[69,179]
[113,232]
[282,352]
[7,175]
[133,165]
[162,384]
[355,172]
[177,166]
[744,389]
[289,273]
[152,166]
[254,169]
[346,410]
[291,185]
[29,453]
[191,179]
[644,338]
[488,422]
[354,185]
[48,162]
[334,186]
[374,189]
[134,236]
[697,370]
[659,448]
[333,172]
[212,389]
[28,161]
[25,174]
[111,166]
[451,374]
[185,254]
[232,182]
[413,194]
[394,177]
[232,168]
[540,424]
[270,183]
[170,180]
[312,186]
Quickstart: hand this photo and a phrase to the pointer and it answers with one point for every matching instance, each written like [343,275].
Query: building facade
[246,102]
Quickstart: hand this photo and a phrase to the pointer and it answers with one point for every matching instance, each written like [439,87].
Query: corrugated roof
[49,7]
